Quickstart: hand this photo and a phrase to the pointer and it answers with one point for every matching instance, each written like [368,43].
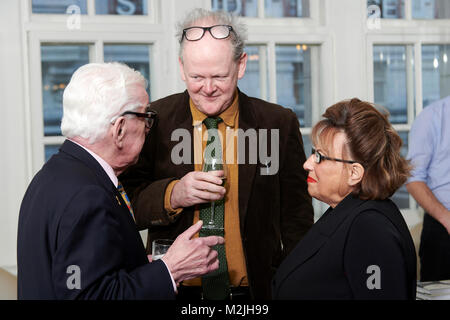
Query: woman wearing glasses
[361,247]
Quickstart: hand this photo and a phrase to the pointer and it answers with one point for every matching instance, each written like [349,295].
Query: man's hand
[189,258]
[428,201]
[197,187]
[446,221]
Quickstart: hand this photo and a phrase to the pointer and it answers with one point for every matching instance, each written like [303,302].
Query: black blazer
[73,218]
[338,257]
[273,209]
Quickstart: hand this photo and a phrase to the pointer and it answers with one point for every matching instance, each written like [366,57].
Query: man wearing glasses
[264,215]
[77,237]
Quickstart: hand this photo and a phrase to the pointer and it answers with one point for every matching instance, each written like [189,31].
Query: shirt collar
[105,165]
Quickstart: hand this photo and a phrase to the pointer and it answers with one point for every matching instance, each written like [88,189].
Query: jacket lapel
[247,120]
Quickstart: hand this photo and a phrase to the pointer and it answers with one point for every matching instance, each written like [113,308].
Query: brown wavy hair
[371,141]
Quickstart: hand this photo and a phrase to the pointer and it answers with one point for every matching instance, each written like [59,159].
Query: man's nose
[209,86]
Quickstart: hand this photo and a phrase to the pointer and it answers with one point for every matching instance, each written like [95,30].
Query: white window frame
[101,19]
[95,31]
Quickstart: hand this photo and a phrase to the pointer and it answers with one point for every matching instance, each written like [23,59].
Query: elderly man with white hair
[77,236]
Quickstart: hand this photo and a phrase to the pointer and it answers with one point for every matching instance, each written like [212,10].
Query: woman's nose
[309,163]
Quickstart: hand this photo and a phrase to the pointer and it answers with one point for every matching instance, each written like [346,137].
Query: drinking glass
[160,247]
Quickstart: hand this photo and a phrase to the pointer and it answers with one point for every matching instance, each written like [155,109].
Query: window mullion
[272,71]
[97,54]
[315,84]
[261,9]
[262,51]
[91,8]
[370,72]
[409,53]
[418,76]
[36,104]
[408,10]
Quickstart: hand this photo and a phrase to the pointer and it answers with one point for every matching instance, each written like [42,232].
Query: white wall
[14,161]
[346,18]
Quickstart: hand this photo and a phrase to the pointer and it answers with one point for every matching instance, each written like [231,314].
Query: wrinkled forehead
[204,22]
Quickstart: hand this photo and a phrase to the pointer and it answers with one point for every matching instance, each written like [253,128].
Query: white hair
[96,93]
[217,17]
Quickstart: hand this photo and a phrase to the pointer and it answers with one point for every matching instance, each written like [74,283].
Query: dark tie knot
[212,123]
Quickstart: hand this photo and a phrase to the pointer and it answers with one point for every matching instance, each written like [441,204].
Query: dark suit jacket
[275,211]
[339,256]
[72,215]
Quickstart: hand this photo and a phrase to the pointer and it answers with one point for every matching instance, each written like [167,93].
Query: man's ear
[118,131]
[180,63]
[356,174]
[242,65]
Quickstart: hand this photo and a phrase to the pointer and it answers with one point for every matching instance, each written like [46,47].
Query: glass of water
[160,247]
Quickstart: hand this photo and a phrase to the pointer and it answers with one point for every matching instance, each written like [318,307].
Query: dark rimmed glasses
[319,157]
[149,115]
[219,31]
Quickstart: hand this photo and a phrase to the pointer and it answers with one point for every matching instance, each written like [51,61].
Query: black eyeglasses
[149,115]
[217,32]
[319,157]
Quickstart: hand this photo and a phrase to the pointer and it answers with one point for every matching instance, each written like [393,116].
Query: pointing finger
[192,230]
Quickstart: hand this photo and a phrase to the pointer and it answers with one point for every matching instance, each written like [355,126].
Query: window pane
[387,9]
[255,81]
[121,7]
[286,8]
[293,63]
[307,145]
[244,8]
[401,197]
[59,6]
[59,62]
[435,72]
[136,56]
[51,150]
[431,9]
[390,90]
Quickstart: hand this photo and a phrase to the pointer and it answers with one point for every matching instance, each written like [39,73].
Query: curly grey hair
[217,17]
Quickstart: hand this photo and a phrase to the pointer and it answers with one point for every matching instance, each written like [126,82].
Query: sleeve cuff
[172,213]
[171,277]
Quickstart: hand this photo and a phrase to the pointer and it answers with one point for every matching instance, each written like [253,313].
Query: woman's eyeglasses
[217,32]
[319,157]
